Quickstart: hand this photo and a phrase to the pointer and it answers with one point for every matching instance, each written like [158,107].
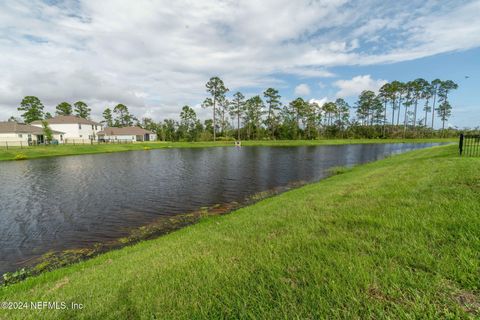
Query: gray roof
[67,120]
[13,127]
[113,131]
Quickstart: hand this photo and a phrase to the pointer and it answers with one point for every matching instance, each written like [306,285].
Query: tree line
[33,109]
[400,109]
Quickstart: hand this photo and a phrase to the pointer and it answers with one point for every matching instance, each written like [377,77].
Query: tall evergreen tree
[329,109]
[297,107]
[418,91]
[369,108]
[253,116]
[343,112]
[32,109]
[63,109]
[427,95]
[81,109]
[272,99]
[385,94]
[188,120]
[445,109]
[436,86]
[393,93]
[123,118]
[237,109]
[108,117]
[217,90]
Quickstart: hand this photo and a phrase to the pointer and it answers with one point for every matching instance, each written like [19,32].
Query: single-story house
[76,129]
[126,134]
[19,134]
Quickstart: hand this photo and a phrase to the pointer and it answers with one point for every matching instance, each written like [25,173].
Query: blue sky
[155,56]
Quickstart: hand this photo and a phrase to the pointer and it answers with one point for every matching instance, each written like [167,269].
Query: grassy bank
[397,238]
[14,153]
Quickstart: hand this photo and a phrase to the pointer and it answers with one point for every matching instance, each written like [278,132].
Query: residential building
[19,134]
[76,129]
[126,134]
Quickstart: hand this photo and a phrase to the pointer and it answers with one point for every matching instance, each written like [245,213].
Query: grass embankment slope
[397,238]
[65,150]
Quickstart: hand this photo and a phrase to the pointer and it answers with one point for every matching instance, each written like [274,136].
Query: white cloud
[156,56]
[302,89]
[354,86]
[320,102]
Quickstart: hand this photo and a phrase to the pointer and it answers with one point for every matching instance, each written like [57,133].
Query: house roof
[67,120]
[127,131]
[13,127]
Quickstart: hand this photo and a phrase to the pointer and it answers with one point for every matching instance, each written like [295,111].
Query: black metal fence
[469,145]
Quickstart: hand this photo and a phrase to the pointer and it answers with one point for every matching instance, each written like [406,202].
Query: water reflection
[66,202]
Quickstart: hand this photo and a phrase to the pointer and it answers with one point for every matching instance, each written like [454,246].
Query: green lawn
[398,239]
[64,150]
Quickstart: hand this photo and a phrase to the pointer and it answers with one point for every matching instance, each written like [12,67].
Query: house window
[80,136]
[80,126]
[20,135]
[96,127]
[93,127]
[61,137]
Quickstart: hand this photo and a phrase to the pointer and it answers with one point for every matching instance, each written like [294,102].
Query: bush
[17,276]
[20,156]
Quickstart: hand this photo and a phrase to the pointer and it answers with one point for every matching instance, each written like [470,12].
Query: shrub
[20,156]
[13,277]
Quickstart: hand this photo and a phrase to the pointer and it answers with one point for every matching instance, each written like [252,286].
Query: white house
[126,134]
[76,129]
[19,134]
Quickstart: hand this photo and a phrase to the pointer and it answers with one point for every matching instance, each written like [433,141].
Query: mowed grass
[65,150]
[398,239]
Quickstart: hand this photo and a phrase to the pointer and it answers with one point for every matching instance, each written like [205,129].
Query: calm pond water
[70,202]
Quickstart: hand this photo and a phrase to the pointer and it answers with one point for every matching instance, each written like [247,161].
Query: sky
[156,56]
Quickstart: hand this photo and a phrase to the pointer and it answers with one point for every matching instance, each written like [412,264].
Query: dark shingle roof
[123,131]
[67,120]
[13,127]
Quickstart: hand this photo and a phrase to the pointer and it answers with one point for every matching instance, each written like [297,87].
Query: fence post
[21,145]
[460,144]
[6,144]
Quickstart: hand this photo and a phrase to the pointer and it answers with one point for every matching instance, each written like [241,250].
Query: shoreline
[159,227]
[19,154]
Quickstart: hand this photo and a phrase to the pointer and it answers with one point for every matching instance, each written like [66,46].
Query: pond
[71,202]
